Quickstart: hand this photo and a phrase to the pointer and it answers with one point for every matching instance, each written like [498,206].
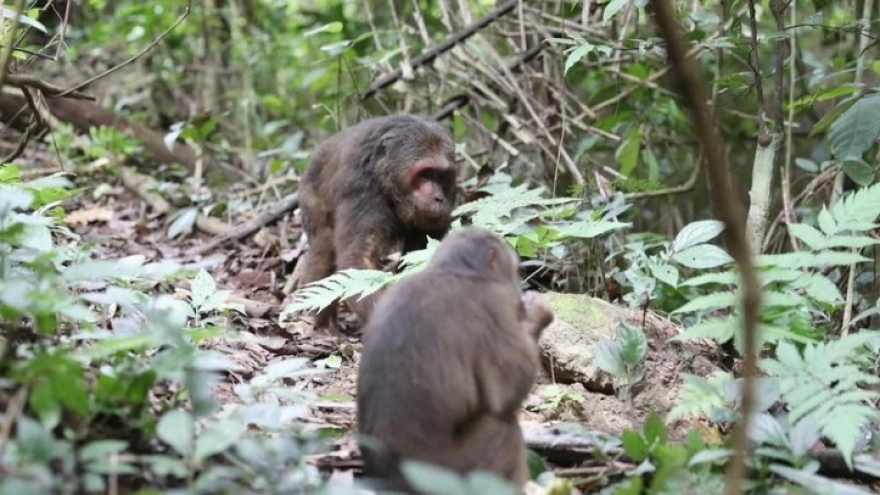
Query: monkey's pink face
[432,182]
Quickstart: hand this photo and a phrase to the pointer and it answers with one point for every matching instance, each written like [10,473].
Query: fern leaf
[503,203]
[341,285]
[860,207]
[823,386]
[699,396]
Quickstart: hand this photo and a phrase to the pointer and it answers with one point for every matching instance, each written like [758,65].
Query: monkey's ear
[493,260]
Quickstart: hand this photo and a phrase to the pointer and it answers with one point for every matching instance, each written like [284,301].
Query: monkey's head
[416,160]
[476,250]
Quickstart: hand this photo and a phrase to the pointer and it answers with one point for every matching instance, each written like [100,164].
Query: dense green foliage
[105,381]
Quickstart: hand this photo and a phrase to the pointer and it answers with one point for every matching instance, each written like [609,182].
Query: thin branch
[432,53]
[180,19]
[729,208]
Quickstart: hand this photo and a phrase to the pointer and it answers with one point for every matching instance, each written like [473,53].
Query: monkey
[449,355]
[383,184]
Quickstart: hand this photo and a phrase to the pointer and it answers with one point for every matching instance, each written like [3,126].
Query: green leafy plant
[623,357]
[557,397]
[507,213]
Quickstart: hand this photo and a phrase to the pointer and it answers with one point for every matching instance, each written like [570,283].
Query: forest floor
[119,224]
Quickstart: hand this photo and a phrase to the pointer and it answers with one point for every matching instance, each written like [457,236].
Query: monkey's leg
[492,444]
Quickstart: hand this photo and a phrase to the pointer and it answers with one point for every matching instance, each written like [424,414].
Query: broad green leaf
[634,445]
[612,8]
[819,485]
[433,480]
[860,172]
[663,272]
[177,428]
[718,329]
[577,54]
[698,232]
[725,278]
[330,27]
[807,165]
[702,256]
[850,241]
[218,437]
[838,258]
[101,449]
[856,129]
[831,117]
[628,151]
[27,21]
[608,358]
[590,229]
[716,300]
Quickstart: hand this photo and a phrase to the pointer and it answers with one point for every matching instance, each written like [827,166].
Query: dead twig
[287,204]
[461,100]
[430,54]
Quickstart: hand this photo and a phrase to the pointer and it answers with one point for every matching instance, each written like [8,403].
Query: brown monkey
[383,184]
[449,355]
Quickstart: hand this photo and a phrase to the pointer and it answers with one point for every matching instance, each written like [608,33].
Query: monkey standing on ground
[449,355]
[382,183]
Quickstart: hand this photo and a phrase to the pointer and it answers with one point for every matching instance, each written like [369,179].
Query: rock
[569,343]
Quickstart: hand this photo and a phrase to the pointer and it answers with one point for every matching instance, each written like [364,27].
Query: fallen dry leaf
[84,217]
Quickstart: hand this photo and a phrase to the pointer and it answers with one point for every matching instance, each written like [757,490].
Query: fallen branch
[287,204]
[48,89]
[447,44]
[141,185]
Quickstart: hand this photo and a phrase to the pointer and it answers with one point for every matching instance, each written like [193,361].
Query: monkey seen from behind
[449,355]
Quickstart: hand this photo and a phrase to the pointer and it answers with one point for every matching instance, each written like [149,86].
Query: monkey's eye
[430,174]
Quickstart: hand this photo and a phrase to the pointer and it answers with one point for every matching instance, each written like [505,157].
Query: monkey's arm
[363,237]
[508,362]
[537,314]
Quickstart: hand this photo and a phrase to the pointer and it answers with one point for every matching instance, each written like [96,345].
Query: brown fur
[449,355]
[360,200]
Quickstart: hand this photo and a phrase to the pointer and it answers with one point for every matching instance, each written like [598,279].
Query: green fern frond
[699,396]
[341,285]
[823,386]
[856,211]
[413,261]
[504,203]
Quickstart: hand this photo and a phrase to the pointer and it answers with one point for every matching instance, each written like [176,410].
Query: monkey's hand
[538,314]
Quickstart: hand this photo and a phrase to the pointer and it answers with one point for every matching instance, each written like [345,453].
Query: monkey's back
[417,381]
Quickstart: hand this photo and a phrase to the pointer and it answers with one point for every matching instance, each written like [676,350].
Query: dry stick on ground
[730,210]
[284,206]
[432,53]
